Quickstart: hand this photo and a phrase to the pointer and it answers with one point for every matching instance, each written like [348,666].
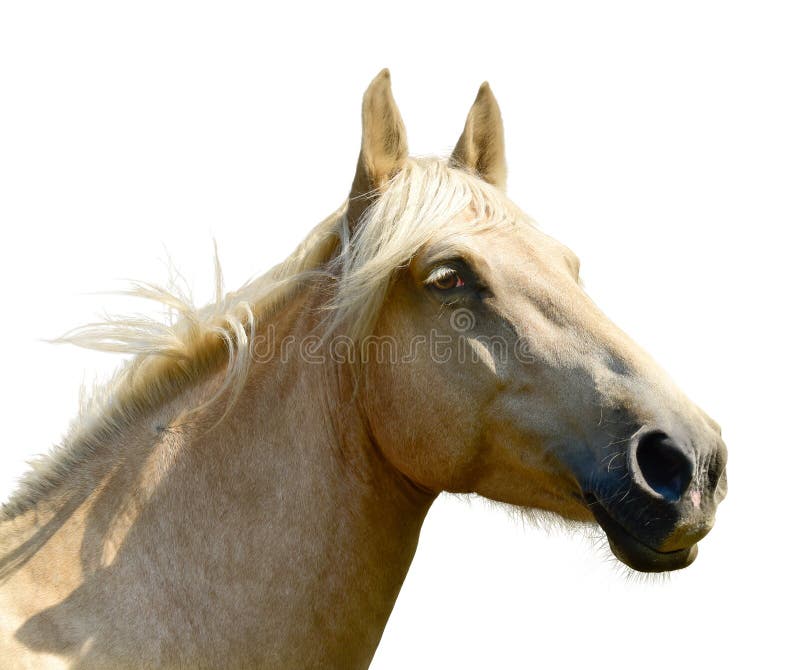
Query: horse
[249,488]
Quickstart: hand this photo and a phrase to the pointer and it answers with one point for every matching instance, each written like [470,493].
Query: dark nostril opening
[665,467]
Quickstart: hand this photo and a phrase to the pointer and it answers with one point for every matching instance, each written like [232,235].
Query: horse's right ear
[383,145]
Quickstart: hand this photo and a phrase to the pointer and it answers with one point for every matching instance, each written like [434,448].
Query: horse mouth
[633,552]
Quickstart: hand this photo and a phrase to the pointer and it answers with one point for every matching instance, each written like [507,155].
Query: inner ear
[384,147]
[481,147]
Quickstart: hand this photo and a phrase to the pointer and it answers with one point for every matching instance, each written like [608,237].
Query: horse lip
[632,551]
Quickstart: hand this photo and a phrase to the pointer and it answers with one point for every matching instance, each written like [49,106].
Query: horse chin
[634,553]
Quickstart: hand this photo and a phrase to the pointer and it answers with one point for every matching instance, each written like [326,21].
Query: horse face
[508,381]
[514,385]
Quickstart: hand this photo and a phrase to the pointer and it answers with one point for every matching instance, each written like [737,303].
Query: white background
[660,143]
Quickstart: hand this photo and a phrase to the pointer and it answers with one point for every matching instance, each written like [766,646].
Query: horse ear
[481,147]
[383,145]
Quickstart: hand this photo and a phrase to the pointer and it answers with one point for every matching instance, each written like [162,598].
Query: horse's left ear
[481,147]
[383,145]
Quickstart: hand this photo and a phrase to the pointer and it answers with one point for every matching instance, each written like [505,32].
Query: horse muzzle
[663,503]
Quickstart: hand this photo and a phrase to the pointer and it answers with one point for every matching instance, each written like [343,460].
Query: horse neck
[355,520]
[285,505]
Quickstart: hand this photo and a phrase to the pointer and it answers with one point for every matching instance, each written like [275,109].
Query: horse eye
[446,279]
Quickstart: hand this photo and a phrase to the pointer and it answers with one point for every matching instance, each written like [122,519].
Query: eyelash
[446,279]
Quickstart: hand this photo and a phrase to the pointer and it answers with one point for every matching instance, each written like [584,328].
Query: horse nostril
[666,467]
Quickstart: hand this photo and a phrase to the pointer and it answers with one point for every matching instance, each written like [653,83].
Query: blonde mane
[421,200]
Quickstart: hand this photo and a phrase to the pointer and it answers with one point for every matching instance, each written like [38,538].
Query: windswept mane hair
[359,259]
